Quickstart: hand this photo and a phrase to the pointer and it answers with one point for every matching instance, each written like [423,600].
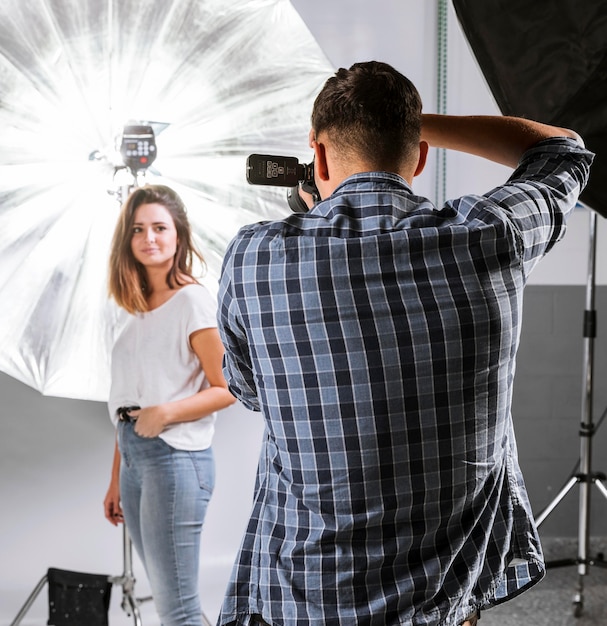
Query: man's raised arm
[501,139]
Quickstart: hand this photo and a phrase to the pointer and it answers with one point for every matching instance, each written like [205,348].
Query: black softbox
[547,60]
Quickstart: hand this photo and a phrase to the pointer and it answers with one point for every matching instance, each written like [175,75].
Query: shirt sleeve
[541,194]
[238,369]
[202,311]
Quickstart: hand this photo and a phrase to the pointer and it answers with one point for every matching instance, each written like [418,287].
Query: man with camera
[377,335]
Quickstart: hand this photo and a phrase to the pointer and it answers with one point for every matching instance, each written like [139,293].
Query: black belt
[123,413]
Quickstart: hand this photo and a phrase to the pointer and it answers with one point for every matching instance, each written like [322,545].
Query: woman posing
[167,384]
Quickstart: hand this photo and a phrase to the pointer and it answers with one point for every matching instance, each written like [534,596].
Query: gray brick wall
[547,403]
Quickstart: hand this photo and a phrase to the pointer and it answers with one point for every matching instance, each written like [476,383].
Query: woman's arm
[151,421]
[111,504]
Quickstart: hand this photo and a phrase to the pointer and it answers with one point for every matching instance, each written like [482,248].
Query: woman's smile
[154,238]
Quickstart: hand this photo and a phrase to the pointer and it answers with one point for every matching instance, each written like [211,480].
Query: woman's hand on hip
[151,421]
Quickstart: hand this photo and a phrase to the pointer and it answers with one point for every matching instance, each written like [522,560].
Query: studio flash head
[138,147]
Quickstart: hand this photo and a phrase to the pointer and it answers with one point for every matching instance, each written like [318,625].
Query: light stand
[586,477]
[130,603]
[138,150]
[133,148]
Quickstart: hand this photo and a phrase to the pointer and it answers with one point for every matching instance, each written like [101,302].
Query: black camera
[283,171]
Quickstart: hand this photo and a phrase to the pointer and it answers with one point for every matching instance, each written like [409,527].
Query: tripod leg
[599,483]
[28,603]
[133,608]
[559,496]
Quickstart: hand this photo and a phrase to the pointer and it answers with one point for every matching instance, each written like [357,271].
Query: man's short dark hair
[370,110]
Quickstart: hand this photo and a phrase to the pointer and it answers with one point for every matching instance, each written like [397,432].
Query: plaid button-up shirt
[377,335]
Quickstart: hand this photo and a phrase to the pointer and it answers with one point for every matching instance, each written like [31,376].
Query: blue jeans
[164,494]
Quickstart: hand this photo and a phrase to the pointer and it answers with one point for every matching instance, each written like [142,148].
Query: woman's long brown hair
[127,277]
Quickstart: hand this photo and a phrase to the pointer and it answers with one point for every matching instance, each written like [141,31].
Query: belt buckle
[123,413]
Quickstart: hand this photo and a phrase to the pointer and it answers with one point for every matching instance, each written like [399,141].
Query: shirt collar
[372,180]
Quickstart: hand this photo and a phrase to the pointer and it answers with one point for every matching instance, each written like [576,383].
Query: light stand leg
[130,603]
[586,477]
[30,601]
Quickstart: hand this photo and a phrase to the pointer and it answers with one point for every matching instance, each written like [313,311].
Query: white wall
[55,454]
[402,33]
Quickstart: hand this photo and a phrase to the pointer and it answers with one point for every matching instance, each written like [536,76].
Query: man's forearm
[501,139]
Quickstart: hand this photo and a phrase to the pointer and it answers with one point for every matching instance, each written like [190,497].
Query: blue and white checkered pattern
[377,336]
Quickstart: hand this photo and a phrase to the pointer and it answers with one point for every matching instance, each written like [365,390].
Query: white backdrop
[55,454]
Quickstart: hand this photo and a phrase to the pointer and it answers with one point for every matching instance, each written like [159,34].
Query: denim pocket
[204,464]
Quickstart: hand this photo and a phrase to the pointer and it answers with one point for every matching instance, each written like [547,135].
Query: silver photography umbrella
[215,80]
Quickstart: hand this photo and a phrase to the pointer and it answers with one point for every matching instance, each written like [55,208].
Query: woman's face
[154,237]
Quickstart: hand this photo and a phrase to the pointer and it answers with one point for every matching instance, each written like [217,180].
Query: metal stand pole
[586,477]
[130,603]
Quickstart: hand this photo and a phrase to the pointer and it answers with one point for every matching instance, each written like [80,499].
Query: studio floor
[550,603]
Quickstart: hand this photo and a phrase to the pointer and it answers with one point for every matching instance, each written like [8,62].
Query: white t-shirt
[153,362]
